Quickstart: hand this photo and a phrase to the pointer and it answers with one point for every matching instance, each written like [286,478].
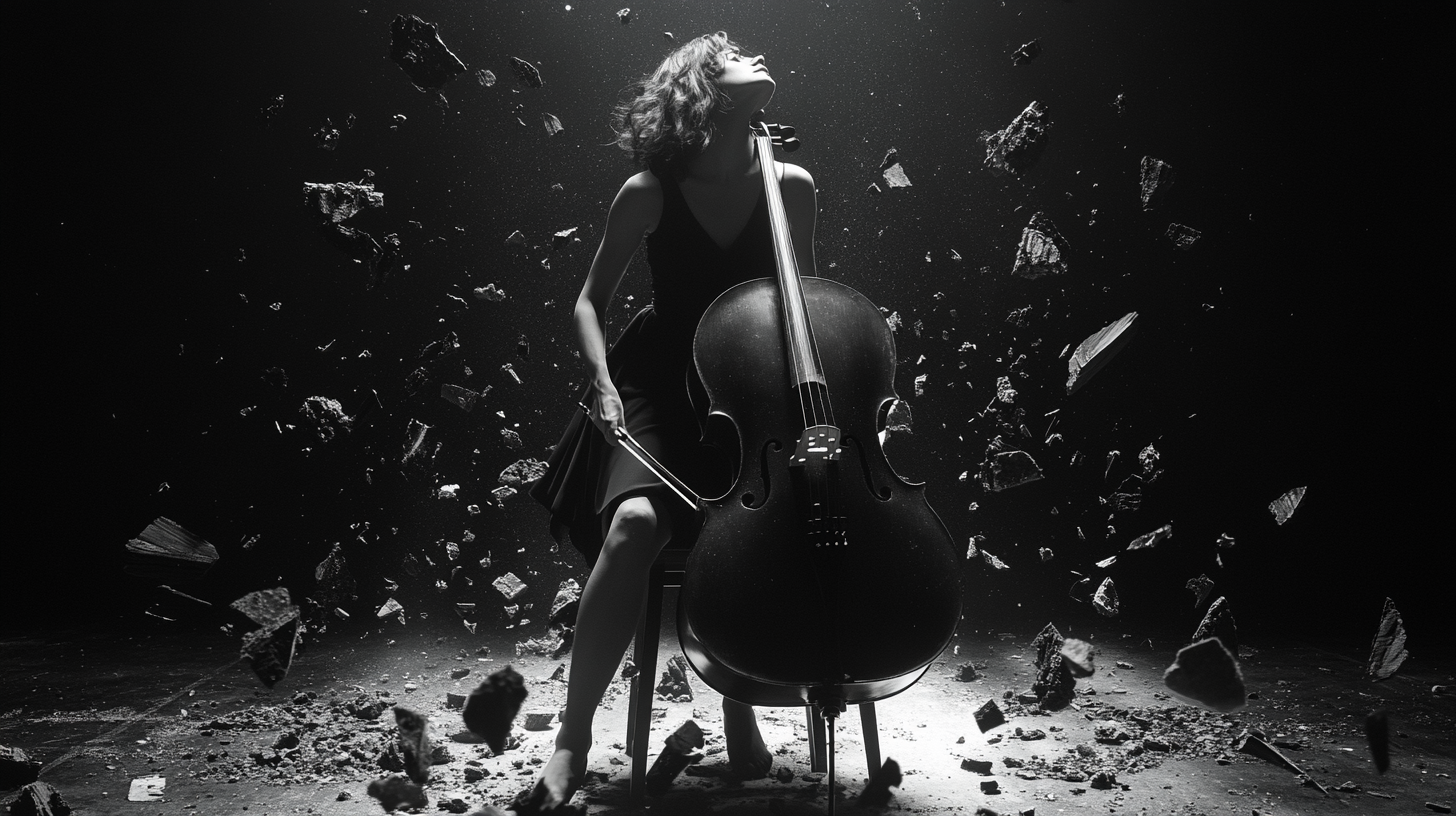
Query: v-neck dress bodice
[651,366]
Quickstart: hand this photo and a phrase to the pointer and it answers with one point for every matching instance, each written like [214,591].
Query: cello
[822,577]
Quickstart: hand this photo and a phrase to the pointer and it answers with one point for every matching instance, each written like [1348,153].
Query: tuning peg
[790,144]
[786,131]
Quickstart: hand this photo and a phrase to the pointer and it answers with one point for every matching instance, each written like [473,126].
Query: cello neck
[798,333]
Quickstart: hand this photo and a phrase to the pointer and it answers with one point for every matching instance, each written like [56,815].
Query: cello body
[774,610]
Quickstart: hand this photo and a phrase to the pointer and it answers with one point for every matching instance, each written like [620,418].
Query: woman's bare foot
[558,783]
[748,756]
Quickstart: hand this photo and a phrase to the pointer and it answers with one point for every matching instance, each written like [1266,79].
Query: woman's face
[745,80]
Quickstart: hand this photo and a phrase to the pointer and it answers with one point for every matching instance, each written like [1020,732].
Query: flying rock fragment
[270,649]
[395,791]
[164,551]
[552,124]
[522,473]
[525,72]
[342,200]
[1054,681]
[1003,469]
[17,768]
[1387,650]
[680,750]
[564,237]
[414,743]
[993,561]
[459,396]
[493,706]
[1206,674]
[1026,53]
[876,792]
[490,293]
[625,16]
[1016,147]
[39,799]
[1255,747]
[327,417]
[1097,350]
[989,716]
[1284,506]
[485,78]
[1105,601]
[1200,587]
[893,171]
[1155,178]
[1043,250]
[1218,622]
[1182,236]
[1147,541]
[416,47]
[509,585]
[336,584]
[1077,657]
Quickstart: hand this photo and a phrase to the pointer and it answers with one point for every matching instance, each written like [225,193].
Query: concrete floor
[101,708]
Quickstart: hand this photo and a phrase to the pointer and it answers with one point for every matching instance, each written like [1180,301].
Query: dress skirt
[587,477]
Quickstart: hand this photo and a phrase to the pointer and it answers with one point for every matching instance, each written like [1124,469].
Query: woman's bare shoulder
[640,200]
[795,175]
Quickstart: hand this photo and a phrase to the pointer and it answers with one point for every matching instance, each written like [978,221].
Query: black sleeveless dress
[651,366]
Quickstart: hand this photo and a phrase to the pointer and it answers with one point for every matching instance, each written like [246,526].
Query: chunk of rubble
[1206,674]
[1099,348]
[537,720]
[1255,747]
[416,47]
[564,237]
[625,16]
[1105,601]
[270,649]
[1387,650]
[1182,235]
[327,417]
[1077,657]
[415,449]
[552,124]
[1046,554]
[680,750]
[165,551]
[993,562]
[1283,507]
[674,682]
[1155,177]
[522,473]
[876,792]
[1054,683]
[396,791]
[1147,541]
[1218,622]
[989,716]
[493,706]
[39,799]
[485,78]
[1200,587]
[525,72]
[1026,53]
[490,293]
[509,585]
[1042,251]
[459,396]
[341,200]
[1008,469]
[17,768]
[336,584]
[893,171]
[1016,147]
[414,743]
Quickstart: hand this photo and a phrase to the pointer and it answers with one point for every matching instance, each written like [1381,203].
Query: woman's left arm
[802,206]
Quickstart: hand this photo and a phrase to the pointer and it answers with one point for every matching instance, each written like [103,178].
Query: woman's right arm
[634,212]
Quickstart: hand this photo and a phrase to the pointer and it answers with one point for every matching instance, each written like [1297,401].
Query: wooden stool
[667,572]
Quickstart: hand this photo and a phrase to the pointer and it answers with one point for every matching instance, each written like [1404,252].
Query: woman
[699,202]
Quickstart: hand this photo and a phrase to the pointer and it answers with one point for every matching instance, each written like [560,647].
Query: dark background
[154,217]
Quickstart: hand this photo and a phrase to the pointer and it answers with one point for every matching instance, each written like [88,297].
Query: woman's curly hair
[668,118]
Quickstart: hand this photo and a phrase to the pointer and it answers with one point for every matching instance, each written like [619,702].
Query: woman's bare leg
[747,754]
[611,604]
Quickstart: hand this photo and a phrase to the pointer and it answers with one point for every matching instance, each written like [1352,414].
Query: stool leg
[817,760]
[871,728]
[640,709]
